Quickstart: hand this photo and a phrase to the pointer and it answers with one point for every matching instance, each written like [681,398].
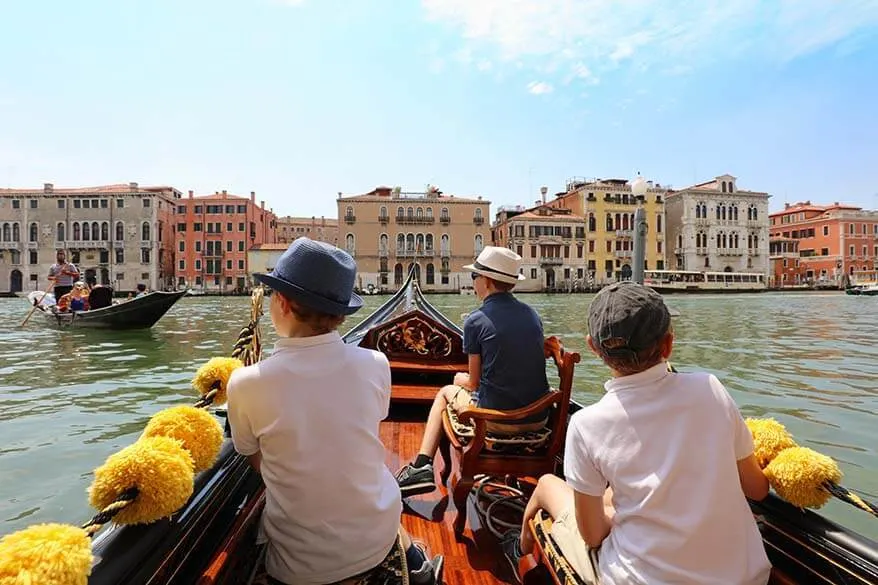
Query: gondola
[137,313]
[212,539]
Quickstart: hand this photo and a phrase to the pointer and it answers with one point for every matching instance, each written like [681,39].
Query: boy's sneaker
[512,552]
[430,572]
[416,480]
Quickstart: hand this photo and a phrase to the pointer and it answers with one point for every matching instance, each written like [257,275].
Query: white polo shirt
[668,445]
[312,409]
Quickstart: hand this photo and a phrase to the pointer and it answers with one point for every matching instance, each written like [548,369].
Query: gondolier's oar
[38,303]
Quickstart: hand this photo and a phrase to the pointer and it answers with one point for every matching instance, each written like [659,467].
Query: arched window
[749,241]
[724,186]
[704,210]
[444,214]
[719,241]
[145,232]
[33,232]
[731,187]
[478,213]
[382,212]
[697,211]
[419,243]
[397,273]
[592,223]
[431,274]
[680,240]
[95,230]
[419,213]
[400,243]
[60,231]
[658,223]
[349,210]
[410,242]
[16,232]
[755,241]
[445,245]
[410,212]
[479,244]
[429,242]
[120,231]
[718,212]
[400,213]
[725,241]
[86,231]
[105,230]
[736,242]
[625,222]
[76,231]
[382,243]
[429,213]
[7,233]
[609,222]
[349,243]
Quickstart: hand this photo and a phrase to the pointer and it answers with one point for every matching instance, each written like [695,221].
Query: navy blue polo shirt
[508,334]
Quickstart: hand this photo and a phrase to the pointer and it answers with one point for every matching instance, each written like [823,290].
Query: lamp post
[638,189]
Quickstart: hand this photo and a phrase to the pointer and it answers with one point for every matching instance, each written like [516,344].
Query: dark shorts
[60,291]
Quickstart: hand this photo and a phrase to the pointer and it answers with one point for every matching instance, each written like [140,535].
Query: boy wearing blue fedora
[311,408]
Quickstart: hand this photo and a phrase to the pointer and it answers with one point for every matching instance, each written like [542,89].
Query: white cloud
[539,87]
[572,37]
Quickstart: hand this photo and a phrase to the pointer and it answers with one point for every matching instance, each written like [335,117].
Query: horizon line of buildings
[582,237]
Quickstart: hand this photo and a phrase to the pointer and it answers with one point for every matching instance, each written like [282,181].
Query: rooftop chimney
[224,192]
[262,204]
[252,196]
[48,187]
[132,186]
[543,191]
[191,194]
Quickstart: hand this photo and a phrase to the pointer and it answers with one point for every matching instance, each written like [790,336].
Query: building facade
[213,234]
[320,229]
[834,241]
[388,231]
[607,206]
[716,227]
[117,235]
[551,243]
[785,270]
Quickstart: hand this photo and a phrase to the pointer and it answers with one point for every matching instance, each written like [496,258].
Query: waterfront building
[321,229]
[835,241]
[785,268]
[213,234]
[607,206]
[118,235]
[716,227]
[263,257]
[387,231]
[552,244]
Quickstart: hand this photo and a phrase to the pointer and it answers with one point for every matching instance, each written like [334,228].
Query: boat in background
[137,313]
[690,281]
[212,539]
[866,290]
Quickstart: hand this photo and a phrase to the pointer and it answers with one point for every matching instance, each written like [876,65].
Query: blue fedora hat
[317,275]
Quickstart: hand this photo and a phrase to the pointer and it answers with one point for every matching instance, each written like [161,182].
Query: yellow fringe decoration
[161,470]
[198,430]
[218,369]
[46,554]
[770,438]
[798,474]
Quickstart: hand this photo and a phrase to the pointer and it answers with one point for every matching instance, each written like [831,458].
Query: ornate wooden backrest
[565,361]
[413,336]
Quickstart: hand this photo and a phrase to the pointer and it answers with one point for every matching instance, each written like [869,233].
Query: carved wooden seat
[475,458]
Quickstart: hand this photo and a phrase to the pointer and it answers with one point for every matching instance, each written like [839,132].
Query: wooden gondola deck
[475,559]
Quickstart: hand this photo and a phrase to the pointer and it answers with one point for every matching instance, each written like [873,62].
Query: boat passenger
[507,365]
[63,273]
[307,418]
[657,470]
[75,300]
[141,291]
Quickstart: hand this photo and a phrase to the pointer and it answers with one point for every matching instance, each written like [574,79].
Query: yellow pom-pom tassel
[46,554]
[200,433]
[216,372]
[158,467]
[770,438]
[798,475]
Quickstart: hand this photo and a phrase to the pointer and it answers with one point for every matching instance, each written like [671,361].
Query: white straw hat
[501,264]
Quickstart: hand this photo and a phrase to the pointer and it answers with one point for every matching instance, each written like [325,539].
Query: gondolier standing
[64,274]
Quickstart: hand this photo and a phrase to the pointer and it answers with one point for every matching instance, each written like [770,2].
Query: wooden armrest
[471,414]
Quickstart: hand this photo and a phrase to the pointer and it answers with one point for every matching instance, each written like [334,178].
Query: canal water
[70,399]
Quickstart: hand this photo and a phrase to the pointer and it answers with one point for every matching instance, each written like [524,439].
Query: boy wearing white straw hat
[507,365]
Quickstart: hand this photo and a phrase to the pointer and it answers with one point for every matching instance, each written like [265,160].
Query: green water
[70,399]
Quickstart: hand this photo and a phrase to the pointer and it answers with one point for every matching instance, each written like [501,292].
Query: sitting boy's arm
[592,518]
[753,481]
[470,380]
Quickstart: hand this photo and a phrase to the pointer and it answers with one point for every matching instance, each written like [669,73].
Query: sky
[299,100]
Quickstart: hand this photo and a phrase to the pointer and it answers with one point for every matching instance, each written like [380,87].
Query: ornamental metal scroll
[415,336]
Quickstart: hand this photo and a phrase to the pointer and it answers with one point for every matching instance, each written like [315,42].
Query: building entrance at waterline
[15,281]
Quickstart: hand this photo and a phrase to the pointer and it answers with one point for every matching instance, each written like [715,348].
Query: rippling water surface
[69,399]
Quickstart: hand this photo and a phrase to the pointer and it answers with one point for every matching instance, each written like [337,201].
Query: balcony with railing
[702,251]
[624,233]
[383,219]
[445,219]
[551,261]
[414,252]
[478,220]
[730,252]
[382,252]
[415,220]
[623,253]
[350,218]
[352,250]
[85,244]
